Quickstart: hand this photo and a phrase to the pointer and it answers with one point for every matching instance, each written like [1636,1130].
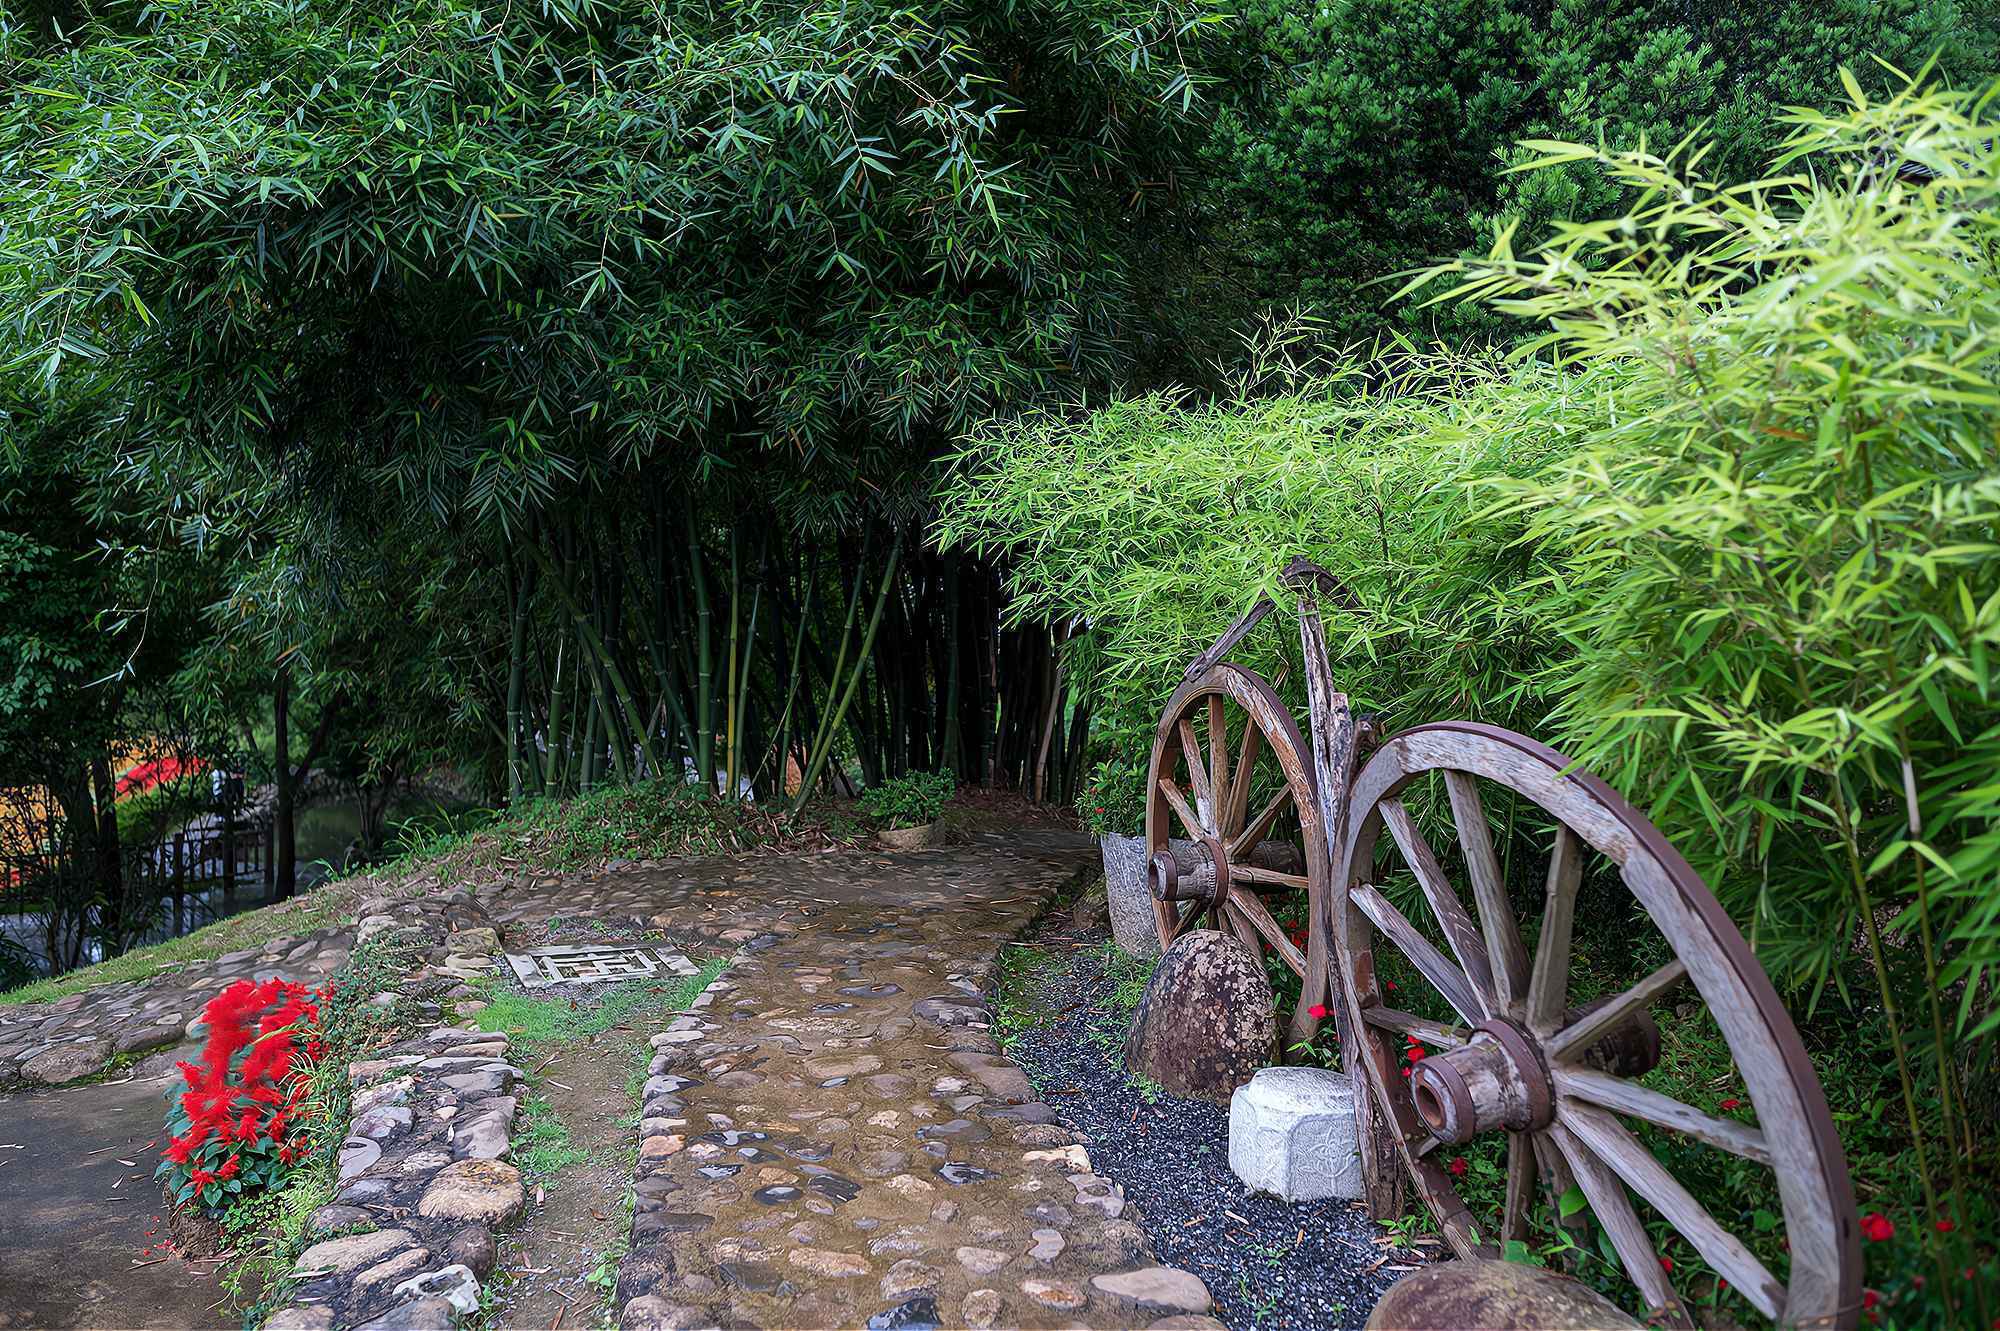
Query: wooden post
[180,883]
[228,854]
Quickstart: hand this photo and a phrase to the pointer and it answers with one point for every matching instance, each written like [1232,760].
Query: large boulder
[1501,1296]
[1207,1021]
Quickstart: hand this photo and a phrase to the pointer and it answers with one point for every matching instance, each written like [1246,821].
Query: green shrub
[1112,801]
[910,800]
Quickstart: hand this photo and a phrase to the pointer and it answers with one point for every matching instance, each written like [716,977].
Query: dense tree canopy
[1363,138]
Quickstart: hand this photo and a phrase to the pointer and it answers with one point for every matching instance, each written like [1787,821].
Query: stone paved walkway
[834,1139]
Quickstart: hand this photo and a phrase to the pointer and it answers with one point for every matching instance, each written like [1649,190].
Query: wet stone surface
[853,1148]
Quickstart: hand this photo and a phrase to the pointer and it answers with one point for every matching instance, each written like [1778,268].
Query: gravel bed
[1269,1265]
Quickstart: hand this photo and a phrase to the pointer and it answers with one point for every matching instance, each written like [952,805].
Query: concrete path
[82,1241]
[834,1139]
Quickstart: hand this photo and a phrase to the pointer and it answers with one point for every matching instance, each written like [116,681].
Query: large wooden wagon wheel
[1230,781]
[1516,1053]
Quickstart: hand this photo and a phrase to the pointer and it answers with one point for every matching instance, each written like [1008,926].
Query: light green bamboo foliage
[1725,533]
[1778,556]
[1159,520]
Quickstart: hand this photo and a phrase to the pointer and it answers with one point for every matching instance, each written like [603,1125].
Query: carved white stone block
[1291,1134]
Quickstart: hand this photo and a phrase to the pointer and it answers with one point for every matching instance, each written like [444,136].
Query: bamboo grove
[657,640]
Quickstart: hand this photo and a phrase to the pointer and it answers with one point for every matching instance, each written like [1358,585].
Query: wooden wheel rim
[1797,1128]
[1279,735]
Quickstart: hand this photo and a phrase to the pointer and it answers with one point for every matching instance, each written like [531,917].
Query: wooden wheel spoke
[1613,1210]
[1184,919]
[1246,840]
[1628,1097]
[1197,776]
[1504,951]
[1459,930]
[1446,978]
[1520,1187]
[1252,910]
[1246,763]
[1548,985]
[1257,873]
[1178,803]
[1610,1142]
[1579,1034]
[1218,764]
[1434,1033]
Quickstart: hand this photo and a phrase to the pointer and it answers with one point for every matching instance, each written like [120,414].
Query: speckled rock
[486,1192]
[1207,1020]
[1500,1296]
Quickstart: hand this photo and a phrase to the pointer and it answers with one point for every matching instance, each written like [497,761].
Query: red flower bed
[236,1125]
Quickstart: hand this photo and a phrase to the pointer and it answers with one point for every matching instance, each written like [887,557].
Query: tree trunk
[109,875]
[285,873]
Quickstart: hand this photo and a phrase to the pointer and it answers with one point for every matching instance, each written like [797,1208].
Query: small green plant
[910,800]
[1129,976]
[543,1147]
[1113,801]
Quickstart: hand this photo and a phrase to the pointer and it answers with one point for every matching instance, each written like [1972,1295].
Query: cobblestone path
[832,1138]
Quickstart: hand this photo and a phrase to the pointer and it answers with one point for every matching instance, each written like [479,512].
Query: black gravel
[1269,1265]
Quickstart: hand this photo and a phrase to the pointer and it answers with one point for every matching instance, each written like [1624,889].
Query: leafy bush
[235,1126]
[1112,801]
[1159,520]
[910,800]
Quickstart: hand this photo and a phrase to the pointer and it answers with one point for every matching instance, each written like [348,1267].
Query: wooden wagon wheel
[1229,773]
[1559,1080]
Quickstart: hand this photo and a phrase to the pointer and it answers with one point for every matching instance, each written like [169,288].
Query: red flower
[1869,1298]
[1416,1053]
[1457,1166]
[1876,1227]
[1391,985]
[1317,1012]
[1732,1104]
[229,1167]
[201,1178]
[1945,1226]
[1667,1265]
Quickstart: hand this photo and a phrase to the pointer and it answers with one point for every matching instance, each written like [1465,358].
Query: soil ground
[577,1214]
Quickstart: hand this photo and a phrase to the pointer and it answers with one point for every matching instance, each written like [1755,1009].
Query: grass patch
[649,820]
[542,1145]
[539,1022]
[1024,976]
[1128,976]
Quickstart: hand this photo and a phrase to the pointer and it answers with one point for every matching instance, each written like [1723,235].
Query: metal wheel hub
[1498,1080]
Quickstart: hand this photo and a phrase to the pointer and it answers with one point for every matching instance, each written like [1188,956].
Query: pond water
[325,830]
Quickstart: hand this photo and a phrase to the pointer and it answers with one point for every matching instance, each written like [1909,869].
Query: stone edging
[648,1262]
[409,1235]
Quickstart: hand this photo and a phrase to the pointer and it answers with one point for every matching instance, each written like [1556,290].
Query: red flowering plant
[236,1123]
